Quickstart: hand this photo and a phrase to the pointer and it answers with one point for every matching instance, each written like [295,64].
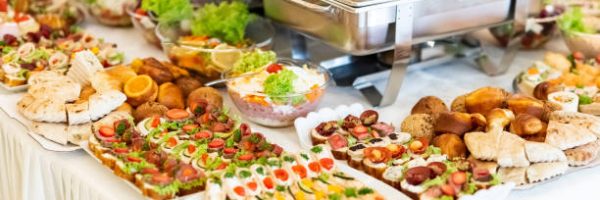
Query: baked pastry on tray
[583,155]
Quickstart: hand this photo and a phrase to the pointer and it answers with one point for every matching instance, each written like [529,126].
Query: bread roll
[429,105]
[525,105]
[485,99]
[211,95]
[188,84]
[458,104]
[525,124]
[149,109]
[453,122]
[419,126]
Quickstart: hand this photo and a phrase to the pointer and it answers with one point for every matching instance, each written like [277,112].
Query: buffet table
[27,171]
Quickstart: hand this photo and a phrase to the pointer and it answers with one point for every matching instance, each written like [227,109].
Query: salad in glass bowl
[111,12]
[279,93]
[146,16]
[57,14]
[215,38]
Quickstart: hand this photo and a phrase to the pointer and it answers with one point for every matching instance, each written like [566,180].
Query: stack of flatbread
[575,133]
[515,159]
[56,109]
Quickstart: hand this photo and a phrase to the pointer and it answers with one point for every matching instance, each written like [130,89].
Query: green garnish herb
[350,192]
[260,170]
[121,128]
[245,174]
[303,155]
[169,11]
[280,84]
[365,191]
[280,188]
[226,21]
[585,99]
[229,142]
[288,159]
[317,149]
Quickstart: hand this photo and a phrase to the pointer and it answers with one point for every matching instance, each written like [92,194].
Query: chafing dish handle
[311,6]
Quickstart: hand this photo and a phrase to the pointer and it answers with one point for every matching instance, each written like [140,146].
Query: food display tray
[15,88]
[304,126]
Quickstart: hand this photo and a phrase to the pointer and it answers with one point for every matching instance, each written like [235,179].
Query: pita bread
[483,146]
[566,136]
[78,113]
[511,151]
[45,77]
[53,131]
[25,102]
[79,133]
[102,81]
[541,152]
[46,110]
[544,171]
[516,175]
[583,155]
[65,90]
[587,121]
[100,104]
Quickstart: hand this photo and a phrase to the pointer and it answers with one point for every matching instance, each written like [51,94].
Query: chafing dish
[363,27]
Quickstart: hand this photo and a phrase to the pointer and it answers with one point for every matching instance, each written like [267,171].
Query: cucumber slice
[342,176]
[304,188]
[289,189]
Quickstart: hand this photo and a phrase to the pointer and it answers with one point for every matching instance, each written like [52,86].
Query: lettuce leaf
[572,22]
[226,21]
[169,11]
[280,84]
[253,61]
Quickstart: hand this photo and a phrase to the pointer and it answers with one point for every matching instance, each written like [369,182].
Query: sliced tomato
[110,139]
[177,114]
[337,141]
[239,190]
[247,145]
[155,121]
[3,5]
[172,142]
[188,171]
[245,129]
[246,157]
[107,131]
[274,68]
[189,127]
[150,170]
[252,185]
[162,178]
[419,146]
[268,182]
[191,148]
[222,166]
[314,167]
[281,174]
[133,159]
[300,170]
[139,11]
[121,150]
[326,163]
[229,151]
[205,134]
[216,143]
[396,150]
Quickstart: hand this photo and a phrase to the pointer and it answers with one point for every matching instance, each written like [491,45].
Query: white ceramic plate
[304,125]
[15,88]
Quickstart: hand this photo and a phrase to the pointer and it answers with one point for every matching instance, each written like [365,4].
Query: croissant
[451,145]
[485,99]
[525,105]
[453,122]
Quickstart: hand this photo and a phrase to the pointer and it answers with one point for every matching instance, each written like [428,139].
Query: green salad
[572,21]
[226,21]
[253,61]
[169,11]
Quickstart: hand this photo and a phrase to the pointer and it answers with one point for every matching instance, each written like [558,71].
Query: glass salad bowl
[111,12]
[212,62]
[247,93]
[145,24]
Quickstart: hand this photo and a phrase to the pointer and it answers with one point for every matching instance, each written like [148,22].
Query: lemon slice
[140,89]
[224,60]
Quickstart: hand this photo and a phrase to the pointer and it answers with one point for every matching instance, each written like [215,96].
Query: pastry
[188,84]
[102,81]
[78,113]
[451,145]
[511,151]
[155,69]
[557,61]
[517,175]
[590,122]
[541,152]
[485,99]
[498,118]
[453,122]
[458,105]
[526,124]
[171,96]
[319,134]
[543,171]
[525,105]
[429,105]
[483,146]
[583,155]
[121,73]
[419,125]
[566,136]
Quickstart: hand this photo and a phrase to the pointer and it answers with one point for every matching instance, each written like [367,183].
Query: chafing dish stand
[406,45]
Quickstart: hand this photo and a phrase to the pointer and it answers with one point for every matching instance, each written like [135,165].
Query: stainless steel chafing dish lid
[363,3]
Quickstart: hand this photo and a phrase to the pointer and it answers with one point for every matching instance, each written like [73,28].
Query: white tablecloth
[27,171]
